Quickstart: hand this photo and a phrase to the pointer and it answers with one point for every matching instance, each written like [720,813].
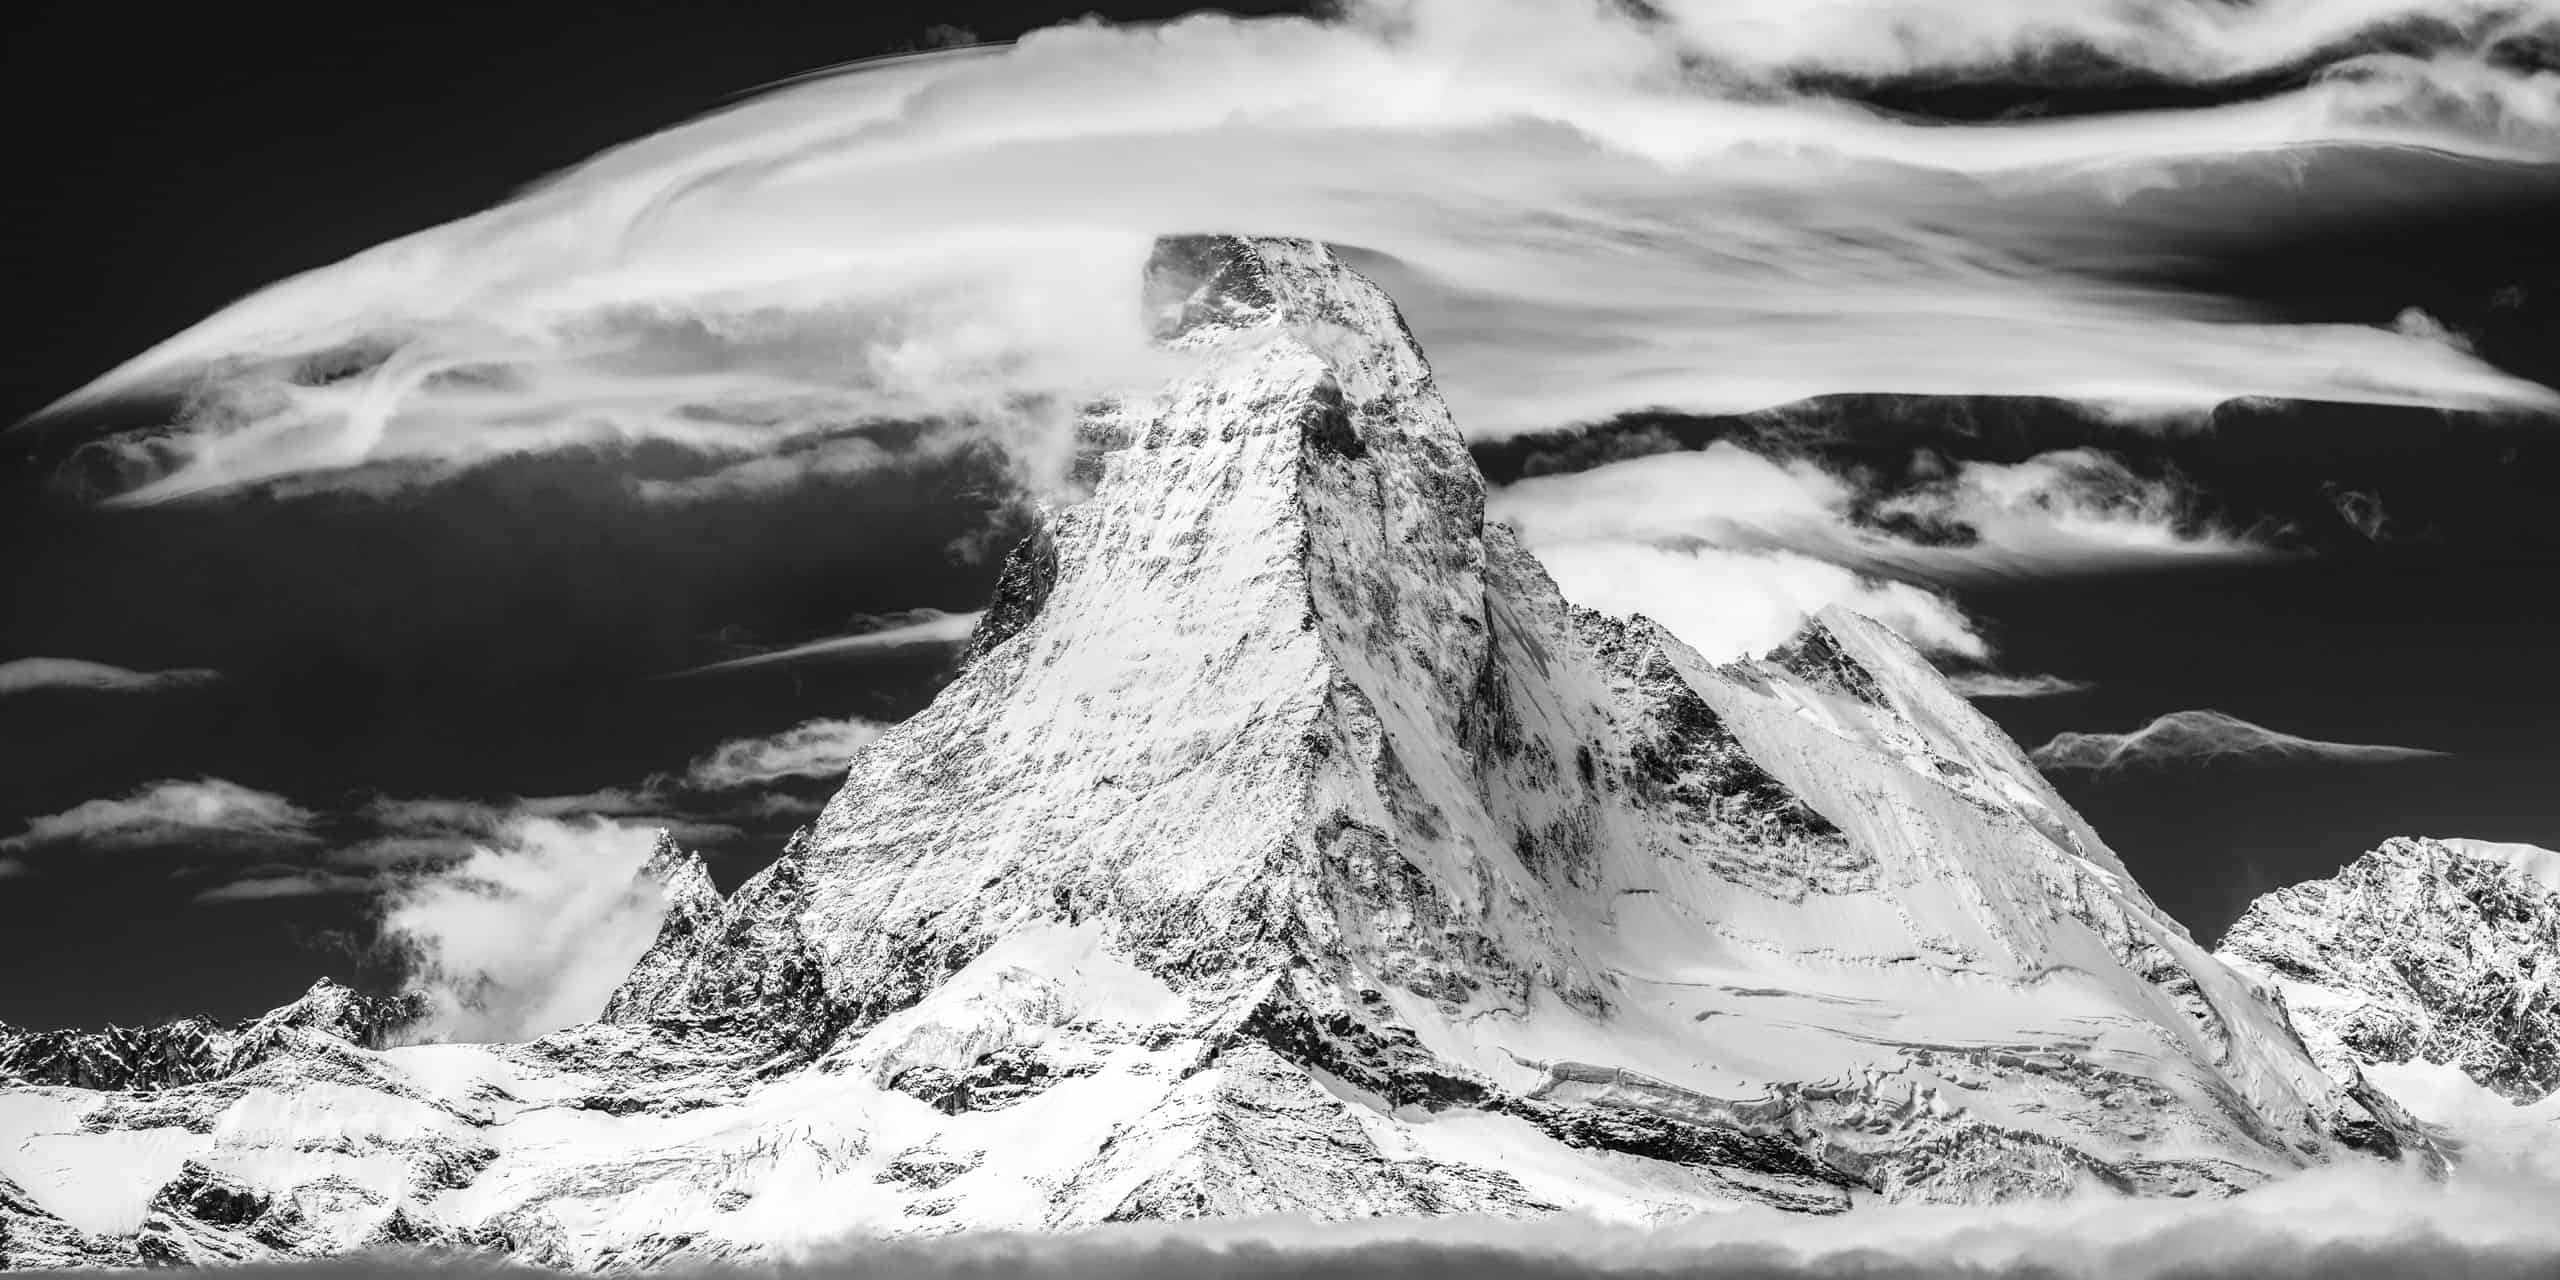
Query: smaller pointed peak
[1817,655]
[667,859]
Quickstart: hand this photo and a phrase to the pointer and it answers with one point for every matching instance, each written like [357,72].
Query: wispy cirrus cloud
[912,630]
[200,812]
[288,882]
[25,675]
[812,749]
[408,831]
[2182,737]
[1993,684]
[1585,209]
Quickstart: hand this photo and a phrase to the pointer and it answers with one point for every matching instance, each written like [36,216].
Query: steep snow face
[2422,951]
[1289,845]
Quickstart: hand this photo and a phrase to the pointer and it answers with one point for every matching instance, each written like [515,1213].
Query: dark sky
[495,635]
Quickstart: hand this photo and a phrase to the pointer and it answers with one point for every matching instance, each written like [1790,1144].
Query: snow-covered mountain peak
[1288,844]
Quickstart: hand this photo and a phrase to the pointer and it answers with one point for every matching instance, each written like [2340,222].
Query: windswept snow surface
[1289,845]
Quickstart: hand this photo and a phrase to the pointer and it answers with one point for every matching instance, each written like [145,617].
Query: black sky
[495,635]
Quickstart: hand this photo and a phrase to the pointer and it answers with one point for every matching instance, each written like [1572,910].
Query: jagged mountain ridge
[1290,844]
[188,1051]
[2442,951]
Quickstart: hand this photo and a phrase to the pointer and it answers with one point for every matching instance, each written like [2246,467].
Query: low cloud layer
[1733,550]
[1584,208]
[2199,737]
[201,812]
[2339,1224]
[25,675]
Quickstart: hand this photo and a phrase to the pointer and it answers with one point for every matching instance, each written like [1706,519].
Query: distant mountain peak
[2442,951]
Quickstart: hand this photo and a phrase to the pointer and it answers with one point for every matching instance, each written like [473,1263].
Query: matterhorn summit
[1289,845]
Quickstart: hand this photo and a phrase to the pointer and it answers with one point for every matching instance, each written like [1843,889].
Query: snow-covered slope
[1290,845]
[2442,952]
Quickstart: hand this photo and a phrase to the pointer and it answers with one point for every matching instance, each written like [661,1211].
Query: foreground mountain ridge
[1289,844]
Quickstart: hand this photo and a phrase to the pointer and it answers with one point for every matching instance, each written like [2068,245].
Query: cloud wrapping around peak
[1584,209]
[2182,737]
[531,931]
[204,812]
[24,675]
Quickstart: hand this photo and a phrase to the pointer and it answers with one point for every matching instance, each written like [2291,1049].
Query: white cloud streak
[203,812]
[1992,684]
[25,675]
[2208,737]
[920,629]
[274,885]
[1583,211]
[432,829]
[814,749]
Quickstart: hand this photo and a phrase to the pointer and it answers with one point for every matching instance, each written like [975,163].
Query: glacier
[1287,843]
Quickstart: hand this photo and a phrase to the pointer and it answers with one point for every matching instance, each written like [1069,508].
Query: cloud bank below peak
[2336,1223]
[1585,209]
[2183,737]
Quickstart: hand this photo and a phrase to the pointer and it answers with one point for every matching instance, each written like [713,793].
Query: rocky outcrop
[686,933]
[194,1050]
[2441,951]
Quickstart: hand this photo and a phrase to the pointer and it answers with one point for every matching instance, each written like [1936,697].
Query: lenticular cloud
[2207,736]
[1585,207]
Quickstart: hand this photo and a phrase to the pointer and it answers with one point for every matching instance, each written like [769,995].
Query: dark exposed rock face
[2445,951]
[1030,569]
[195,1050]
